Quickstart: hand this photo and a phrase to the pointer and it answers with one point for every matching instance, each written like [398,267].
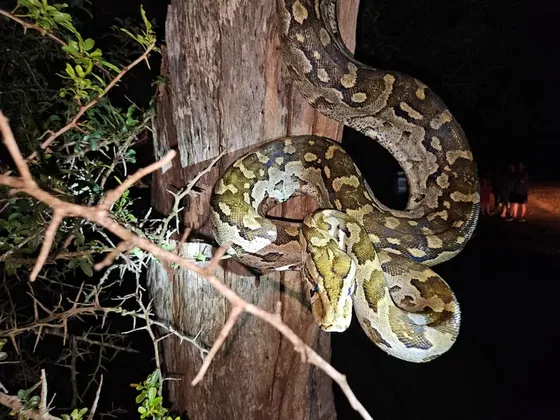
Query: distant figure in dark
[505,192]
[519,191]
[497,180]
[485,196]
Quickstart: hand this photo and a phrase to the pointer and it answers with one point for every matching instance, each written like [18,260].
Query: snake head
[330,277]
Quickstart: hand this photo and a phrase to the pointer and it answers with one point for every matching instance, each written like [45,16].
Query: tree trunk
[229,91]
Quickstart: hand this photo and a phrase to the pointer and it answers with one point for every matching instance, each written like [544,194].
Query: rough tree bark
[229,91]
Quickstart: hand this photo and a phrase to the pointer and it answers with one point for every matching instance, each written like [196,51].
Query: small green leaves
[86,266]
[47,16]
[149,400]
[88,44]
[28,400]
[147,38]
[75,415]
[70,70]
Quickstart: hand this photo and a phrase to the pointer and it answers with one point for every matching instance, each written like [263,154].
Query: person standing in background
[519,191]
[505,192]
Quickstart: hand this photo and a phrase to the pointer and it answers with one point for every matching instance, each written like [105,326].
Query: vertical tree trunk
[229,91]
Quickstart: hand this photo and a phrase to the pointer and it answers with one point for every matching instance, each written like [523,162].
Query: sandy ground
[544,203]
[541,233]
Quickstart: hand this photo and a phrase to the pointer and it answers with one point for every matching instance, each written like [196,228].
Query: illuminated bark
[228,90]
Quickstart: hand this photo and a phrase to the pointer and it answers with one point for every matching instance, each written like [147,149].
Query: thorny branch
[100,215]
[59,320]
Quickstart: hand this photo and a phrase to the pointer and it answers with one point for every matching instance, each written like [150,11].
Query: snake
[356,254]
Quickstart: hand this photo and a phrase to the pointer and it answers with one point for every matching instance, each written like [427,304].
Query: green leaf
[45,24]
[3,355]
[142,410]
[14,216]
[96,54]
[111,66]
[80,71]
[140,397]
[144,18]
[130,122]
[154,378]
[152,393]
[65,417]
[82,412]
[70,71]
[88,44]
[59,17]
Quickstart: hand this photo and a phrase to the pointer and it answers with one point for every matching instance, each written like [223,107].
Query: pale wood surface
[229,91]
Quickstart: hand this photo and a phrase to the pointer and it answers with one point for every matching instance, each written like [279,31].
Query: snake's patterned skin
[404,307]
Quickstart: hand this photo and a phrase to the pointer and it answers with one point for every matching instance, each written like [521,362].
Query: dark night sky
[488,60]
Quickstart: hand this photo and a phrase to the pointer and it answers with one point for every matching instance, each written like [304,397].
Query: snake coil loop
[358,252]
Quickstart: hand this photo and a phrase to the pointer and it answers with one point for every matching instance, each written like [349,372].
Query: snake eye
[314,290]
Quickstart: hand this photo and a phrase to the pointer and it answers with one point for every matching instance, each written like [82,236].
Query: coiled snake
[354,249]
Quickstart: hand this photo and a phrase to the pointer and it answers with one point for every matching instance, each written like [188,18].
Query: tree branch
[14,404]
[101,216]
[27,25]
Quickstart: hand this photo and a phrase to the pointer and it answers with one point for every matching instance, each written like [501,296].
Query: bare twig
[74,372]
[87,340]
[43,404]
[101,216]
[50,235]
[56,321]
[232,319]
[193,181]
[96,401]
[109,258]
[114,195]
[12,147]
[155,342]
[182,194]
[51,259]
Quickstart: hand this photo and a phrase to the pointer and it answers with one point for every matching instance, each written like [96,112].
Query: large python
[354,249]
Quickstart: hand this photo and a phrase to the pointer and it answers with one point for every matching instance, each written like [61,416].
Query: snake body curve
[402,305]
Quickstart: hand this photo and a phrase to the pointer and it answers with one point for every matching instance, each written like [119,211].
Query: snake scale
[354,251]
